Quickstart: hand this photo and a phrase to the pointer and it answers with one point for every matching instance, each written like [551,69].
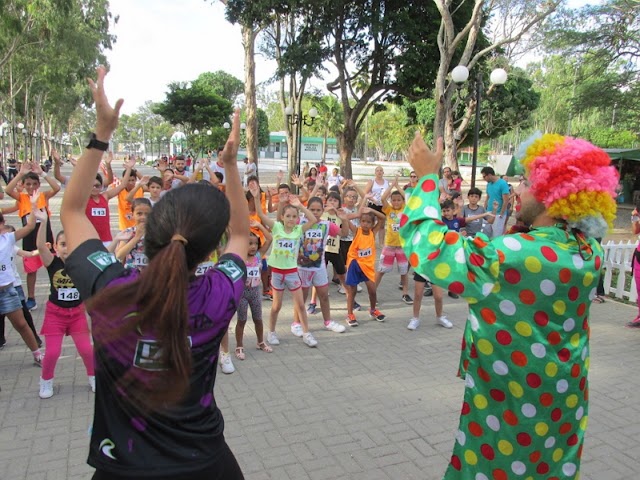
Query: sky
[161,41]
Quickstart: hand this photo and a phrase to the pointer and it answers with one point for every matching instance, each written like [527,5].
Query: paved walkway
[376,402]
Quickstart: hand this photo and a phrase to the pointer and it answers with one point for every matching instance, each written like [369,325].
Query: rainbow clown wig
[574,180]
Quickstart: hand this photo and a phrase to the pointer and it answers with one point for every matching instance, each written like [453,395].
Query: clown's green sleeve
[467,267]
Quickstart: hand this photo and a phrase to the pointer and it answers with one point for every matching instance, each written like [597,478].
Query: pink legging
[54,347]
[636,276]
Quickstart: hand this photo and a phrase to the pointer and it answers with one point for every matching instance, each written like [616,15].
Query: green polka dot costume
[525,351]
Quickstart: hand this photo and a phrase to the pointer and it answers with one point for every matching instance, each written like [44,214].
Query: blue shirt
[495,191]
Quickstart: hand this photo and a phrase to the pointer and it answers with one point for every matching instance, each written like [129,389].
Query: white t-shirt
[7,242]
[377,190]
[17,282]
[219,168]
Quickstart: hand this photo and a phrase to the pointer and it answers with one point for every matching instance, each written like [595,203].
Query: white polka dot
[431,212]
[507,307]
[592,293]
[562,386]
[578,262]
[416,238]
[493,423]
[579,413]
[547,287]
[461,437]
[512,244]
[538,350]
[518,468]
[481,476]
[500,367]
[469,381]
[486,288]
[473,321]
[569,469]
[528,410]
[585,352]
[550,442]
[459,256]
[569,324]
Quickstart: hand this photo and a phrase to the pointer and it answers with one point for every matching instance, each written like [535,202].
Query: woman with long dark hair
[157,332]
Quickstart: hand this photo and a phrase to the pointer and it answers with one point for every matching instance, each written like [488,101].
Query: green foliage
[610,138]
[263,128]
[222,83]
[389,132]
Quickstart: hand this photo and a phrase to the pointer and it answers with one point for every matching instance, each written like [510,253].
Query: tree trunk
[324,147]
[347,146]
[248,40]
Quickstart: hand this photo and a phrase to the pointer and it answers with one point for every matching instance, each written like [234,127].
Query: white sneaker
[444,321]
[413,324]
[309,340]
[272,338]
[226,365]
[341,290]
[296,329]
[334,327]
[92,383]
[359,288]
[46,388]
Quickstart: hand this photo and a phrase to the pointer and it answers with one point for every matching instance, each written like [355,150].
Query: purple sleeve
[226,283]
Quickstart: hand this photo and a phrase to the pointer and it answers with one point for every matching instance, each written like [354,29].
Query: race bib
[202,268]
[395,227]
[313,233]
[140,260]
[253,272]
[364,253]
[68,294]
[98,212]
[285,244]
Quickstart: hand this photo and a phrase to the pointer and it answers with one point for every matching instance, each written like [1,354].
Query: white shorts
[313,277]
[281,280]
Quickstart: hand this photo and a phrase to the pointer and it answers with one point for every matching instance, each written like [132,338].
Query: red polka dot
[473,353]
[542,468]
[456,287]
[455,462]
[534,457]
[488,315]
[501,256]
[586,395]
[512,276]
[403,219]
[480,243]
[546,399]
[465,365]
[565,275]
[451,238]
[583,383]
[585,324]
[497,395]
[438,222]
[598,262]
[556,414]
[524,439]
[503,337]
[564,355]
[510,418]
[464,344]
[549,254]
[433,254]
[414,260]
[519,358]
[487,451]
[466,408]
[581,309]
[575,370]
[572,440]
[580,450]
[482,373]
[476,260]
[534,380]
[499,474]
[574,293]
[471,277]
[428,185]
[565,428]
[541,318]
[526,236]
[554,338]
[475,429]
[527,297]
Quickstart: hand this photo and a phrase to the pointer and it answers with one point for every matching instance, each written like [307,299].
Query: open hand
[230,152]
[423,160]
[106,115]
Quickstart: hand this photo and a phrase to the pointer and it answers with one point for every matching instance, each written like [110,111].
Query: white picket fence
[618,256]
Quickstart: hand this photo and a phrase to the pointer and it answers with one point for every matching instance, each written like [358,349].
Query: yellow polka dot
[584,422]
[587,362]
[442,271]
[575,339]
[588,279]
[471,300]
[541,428]
[516,389]
[470,457]
[435,238]
[402,242]
[561,246]
[495,268]
[524,329]
[529,478]
[480,401]
[496,288]
[551,369]
[485,347]
[414,202]
[505,447]
[532,264]
[557,454]
[572,401]
[559,307]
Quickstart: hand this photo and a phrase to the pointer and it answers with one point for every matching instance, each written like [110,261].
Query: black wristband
[97,144]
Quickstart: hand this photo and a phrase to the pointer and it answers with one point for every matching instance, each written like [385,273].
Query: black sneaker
[336,281]
[428,292]
[400,287]
[407,299]
[453,295]
[356,305]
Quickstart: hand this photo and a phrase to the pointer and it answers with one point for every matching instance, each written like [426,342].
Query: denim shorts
[9,301]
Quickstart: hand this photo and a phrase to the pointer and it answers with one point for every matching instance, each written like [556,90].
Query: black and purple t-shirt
[181,439]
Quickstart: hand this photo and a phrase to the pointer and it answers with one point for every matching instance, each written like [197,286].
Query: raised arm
[41,237]
[55,186]
[263,217]
[57,163]
[108,160]
[31,219]
[75,223]
[238,224]
[311,218]
[11,187]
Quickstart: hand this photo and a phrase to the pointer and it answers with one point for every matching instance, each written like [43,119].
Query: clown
[525,351]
